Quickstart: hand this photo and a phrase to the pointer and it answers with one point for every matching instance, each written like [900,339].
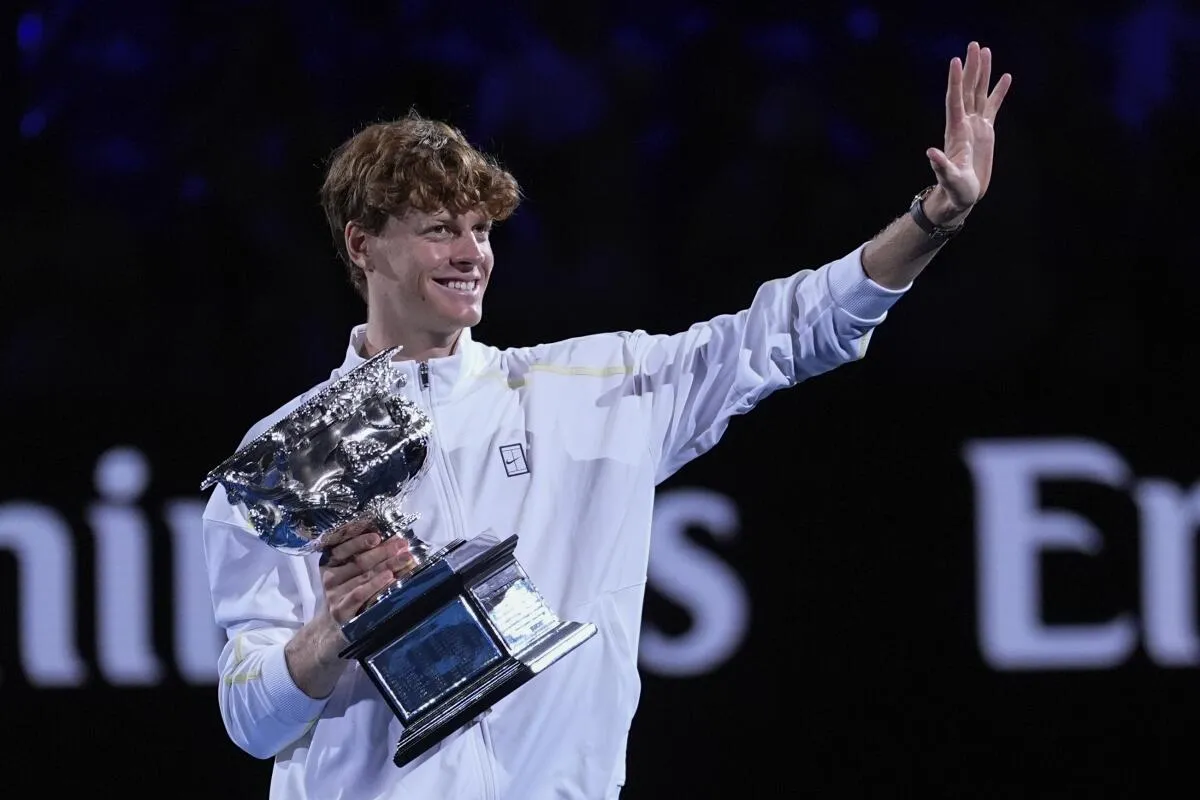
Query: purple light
[863,23]
[33,123]
[30,31]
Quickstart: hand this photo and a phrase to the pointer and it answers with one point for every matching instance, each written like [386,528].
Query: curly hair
[388,168]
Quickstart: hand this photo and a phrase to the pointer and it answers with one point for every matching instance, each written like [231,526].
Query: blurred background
[963,567]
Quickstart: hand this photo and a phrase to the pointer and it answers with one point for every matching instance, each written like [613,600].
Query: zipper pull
[423,373]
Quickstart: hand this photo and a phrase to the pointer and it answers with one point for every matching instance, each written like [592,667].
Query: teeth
[462,286]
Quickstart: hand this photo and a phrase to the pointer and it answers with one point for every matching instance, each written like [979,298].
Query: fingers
[376,582]
[967,88]
[345,605]
[970,77]
[359,541]
[997,97]
[954,94]
[984,80]
[346,592]
[394,552]
[345,533]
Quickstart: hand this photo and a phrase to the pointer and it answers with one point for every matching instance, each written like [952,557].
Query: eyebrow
[444,219]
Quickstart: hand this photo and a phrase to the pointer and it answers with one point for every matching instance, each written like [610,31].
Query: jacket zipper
[454,503]
[449,485]
[489,772]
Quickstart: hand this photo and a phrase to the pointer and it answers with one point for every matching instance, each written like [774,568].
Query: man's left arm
[816,320]
[896,256]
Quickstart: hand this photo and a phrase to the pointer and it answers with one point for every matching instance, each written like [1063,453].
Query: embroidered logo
[513,456]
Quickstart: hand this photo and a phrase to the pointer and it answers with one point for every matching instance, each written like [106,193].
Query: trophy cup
[464,626]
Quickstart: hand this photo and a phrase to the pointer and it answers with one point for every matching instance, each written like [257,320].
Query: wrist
[311,657]
[941,210]
[330,641]
[321,640]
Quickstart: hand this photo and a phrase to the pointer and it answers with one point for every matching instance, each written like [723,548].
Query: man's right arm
[262,598]
[281,661]
[356,567]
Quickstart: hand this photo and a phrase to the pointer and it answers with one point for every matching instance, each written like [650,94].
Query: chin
[471,318]
[456,322]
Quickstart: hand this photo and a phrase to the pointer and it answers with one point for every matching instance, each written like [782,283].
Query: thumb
[939,162]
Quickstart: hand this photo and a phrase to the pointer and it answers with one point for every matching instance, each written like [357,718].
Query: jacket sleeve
[795,328]
[261,597]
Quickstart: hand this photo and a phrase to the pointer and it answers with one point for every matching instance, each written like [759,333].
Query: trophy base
[487,690]
[454,637]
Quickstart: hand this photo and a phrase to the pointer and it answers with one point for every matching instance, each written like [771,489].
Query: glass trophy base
[455,637]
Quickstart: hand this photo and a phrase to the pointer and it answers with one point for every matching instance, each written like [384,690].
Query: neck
[415,346]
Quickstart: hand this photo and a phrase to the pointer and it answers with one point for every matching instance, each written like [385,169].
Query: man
[593,423]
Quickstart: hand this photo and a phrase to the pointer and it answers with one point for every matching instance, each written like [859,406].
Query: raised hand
[964,166]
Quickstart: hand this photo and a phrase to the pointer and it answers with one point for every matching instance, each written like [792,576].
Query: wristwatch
[917,212]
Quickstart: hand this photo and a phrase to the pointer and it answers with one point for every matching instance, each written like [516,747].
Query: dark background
[168,279]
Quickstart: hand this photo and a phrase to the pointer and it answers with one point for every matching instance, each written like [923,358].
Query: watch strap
[917,211]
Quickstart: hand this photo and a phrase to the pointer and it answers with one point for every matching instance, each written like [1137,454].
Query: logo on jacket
[514,459]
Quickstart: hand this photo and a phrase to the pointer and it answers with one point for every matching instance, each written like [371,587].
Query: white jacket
[599,421]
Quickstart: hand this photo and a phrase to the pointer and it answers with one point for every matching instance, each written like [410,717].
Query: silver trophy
[464,626]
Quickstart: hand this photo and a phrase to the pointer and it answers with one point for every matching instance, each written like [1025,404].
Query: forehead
[470,217]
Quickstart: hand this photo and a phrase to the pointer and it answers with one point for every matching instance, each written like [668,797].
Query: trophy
[463,626]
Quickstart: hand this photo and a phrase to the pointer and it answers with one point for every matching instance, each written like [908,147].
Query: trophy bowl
[352,452]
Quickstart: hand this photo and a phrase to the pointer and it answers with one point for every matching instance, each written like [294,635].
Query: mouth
[459,286]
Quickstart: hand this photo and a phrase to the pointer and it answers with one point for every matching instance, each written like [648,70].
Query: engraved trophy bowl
[350,453]
[463,626]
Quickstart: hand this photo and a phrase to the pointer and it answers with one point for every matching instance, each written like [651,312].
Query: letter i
[124,639]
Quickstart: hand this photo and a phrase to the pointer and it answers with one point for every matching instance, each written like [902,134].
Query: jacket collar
[446,374]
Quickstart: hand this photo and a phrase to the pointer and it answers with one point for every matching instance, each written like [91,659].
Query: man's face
[428,272]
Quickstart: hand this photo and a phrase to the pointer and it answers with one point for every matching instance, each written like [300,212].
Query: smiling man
[562,443]
[411,205]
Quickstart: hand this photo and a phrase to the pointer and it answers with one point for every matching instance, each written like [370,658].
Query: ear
[356,244]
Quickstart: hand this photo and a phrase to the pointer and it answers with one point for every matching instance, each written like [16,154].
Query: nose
[468,252]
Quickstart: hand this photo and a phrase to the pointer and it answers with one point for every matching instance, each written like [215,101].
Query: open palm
[964,165]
